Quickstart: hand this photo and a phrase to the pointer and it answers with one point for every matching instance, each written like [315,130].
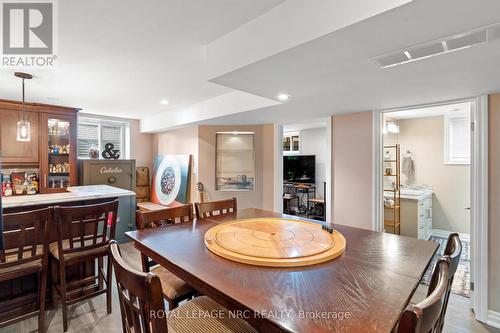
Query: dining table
[366,289]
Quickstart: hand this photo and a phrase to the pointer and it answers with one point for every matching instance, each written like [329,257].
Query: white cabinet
[291,142]
[416,217]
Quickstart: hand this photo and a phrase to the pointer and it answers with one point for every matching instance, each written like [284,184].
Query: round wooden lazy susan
[276,242]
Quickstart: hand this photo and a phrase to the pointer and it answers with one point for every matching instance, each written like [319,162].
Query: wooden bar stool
[214,208]
[175,290]
[83,234]
[424,317]
[25,252]
[143,310]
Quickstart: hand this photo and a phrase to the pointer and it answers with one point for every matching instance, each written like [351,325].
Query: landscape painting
[235,162]
[170,182]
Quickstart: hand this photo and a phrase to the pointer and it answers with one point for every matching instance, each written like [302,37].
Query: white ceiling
[224,61]
[122,57]
[335,74]
[431,111]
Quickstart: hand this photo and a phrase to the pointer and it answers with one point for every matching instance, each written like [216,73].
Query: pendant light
[23,126]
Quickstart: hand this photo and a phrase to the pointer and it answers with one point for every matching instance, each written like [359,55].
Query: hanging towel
[408,167]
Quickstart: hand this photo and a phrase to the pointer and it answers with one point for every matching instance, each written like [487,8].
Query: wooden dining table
[364,290]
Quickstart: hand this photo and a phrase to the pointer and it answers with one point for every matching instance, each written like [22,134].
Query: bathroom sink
[414,190]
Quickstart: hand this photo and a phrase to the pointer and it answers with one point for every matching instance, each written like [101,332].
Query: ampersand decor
[109,152]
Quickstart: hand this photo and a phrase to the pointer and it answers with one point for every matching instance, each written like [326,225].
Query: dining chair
[83,235]
[25,252]
[214,208]
[143,311]
[453,249]
[175,289]
[424,317]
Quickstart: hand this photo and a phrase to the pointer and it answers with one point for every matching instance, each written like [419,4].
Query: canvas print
[170,182]
[235,165]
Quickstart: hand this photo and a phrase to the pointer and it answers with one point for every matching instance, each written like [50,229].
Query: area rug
[461,282]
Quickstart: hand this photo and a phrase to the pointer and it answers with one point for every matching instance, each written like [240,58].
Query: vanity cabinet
[13,152]
[416,217]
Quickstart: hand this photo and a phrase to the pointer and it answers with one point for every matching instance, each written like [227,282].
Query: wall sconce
[391,127]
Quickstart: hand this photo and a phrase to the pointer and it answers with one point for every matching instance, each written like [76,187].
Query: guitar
[201,190]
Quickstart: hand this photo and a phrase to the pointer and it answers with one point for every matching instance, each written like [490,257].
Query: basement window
[457,136]
[99,132]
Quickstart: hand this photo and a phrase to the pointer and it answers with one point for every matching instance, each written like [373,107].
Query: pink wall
[180,141]
[352,169]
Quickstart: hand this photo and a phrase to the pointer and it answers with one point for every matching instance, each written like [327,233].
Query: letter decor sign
[29,33]
[106,170]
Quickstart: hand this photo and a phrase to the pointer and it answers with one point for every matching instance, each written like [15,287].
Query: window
[99,132]
[457,128]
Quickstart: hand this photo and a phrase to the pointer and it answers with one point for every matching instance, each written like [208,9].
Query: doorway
[437,158]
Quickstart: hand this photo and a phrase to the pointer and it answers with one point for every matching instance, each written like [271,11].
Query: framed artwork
[235,161]
[170,182]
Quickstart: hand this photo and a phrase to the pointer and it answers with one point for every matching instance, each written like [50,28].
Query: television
[299,168]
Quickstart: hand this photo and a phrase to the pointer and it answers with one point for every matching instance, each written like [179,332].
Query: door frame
[479,193]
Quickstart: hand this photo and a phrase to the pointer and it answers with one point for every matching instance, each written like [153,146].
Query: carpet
[461,282]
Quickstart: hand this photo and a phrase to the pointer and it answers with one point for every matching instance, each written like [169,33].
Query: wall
[352,169]
[264,163]
[313,142]
[141,145]
[179,142]
[424,137]
[494,202]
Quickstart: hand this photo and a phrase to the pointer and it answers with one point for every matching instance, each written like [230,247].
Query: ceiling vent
[441,46]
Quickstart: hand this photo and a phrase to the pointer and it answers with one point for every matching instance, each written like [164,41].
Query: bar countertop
[74,193]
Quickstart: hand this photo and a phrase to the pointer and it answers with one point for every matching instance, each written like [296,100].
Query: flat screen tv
[299,168]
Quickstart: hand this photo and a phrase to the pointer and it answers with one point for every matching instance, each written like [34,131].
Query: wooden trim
[37,107]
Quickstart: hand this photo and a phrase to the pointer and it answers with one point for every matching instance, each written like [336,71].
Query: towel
[408,167]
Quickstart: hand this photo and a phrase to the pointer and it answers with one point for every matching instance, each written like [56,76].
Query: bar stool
[25,252]
[83,235]
[174,288]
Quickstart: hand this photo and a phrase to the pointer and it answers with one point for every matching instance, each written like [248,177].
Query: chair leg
[99,269]
[109,285]
[62,286]
[41,299]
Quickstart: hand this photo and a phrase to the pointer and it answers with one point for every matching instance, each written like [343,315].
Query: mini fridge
[117,173]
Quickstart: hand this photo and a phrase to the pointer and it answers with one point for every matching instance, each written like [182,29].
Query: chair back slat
[140,296]
[85,227]
[164,217]
[161,218]
[25,237]
[453,250]
[424,316]
[214,208]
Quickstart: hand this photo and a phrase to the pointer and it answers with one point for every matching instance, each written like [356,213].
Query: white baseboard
[445,234]
[493,319]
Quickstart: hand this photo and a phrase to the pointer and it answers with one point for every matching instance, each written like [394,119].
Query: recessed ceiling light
[283,97]
[164,102]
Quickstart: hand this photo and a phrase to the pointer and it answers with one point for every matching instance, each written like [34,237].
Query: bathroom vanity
[416,212]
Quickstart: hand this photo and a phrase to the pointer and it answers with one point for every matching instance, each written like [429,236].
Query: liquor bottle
[8,189]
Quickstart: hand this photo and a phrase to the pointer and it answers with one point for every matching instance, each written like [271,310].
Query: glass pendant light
[23,126]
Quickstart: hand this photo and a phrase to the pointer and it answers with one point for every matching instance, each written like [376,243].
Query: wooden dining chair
[214,208]
[83,235]
[453,250]
[424,317]
[25,252]
[143,311]
[175,289]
